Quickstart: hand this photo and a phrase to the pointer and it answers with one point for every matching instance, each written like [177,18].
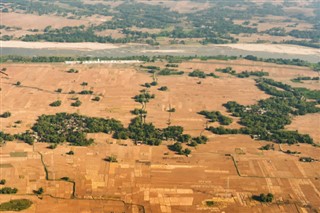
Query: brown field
[27,21]
[228,170]
[179,6]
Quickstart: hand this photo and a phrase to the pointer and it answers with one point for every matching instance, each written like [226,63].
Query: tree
[39,191]
[70,152]
[97,98]
[5,115]
[3,182]
[18,83]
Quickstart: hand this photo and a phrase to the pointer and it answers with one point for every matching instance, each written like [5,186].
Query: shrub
[172,110]
[164,88]
[3,182]
[97,98]
[59,90]
[18,83]
[111,159]
[154,83]
[65,178]
[86,92]
[52,146]
[77,103]
[56,103]
[72,71]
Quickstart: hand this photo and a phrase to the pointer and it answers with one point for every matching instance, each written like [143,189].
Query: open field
[228,170]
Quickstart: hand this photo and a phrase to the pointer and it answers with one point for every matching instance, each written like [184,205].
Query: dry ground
[227,170]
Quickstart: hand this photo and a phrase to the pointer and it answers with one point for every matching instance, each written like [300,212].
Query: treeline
[201,74]
[243,74]
[169,58]
[302,43]
[216,116]
[266,119]
[305,78]
[295,62]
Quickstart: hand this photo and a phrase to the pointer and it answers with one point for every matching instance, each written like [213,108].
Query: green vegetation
[295,62]
[112,159]
[8,190]
[52,146]
[163,88]
[292,152]
[216,116]
[209,203]
[65,178]
[5,115]
[264,198]
[39,191]
[72,128]
[143,97]
[73,71]
[266,119]
[244,74]
[3,182]
[59,90]
[304,78]
[177,147]
[86,92]
[306,159]
[247,74]
[267,147]
[56,103]
[201,74]
[97,98]
[139,112]
[197,73]
[214,24]
[77,103]
[18,83]
[27,137]
[15,205]
[70,152]
[198,140]
[167,71]
[228,70]
[171,110]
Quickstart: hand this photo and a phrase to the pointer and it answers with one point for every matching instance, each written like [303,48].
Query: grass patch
[18,154]
[6,165]
[15,205]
